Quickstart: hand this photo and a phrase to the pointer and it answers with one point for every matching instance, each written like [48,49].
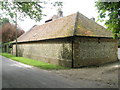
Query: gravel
[107,74]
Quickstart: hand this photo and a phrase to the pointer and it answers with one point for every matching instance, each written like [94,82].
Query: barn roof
[75,24]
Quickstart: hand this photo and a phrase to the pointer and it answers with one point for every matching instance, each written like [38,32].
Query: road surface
[18,75]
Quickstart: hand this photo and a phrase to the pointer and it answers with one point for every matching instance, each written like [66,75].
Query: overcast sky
[86,7]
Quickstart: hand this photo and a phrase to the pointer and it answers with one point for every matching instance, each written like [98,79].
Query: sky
[86,7]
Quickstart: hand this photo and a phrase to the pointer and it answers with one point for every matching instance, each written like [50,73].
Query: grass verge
[32,62]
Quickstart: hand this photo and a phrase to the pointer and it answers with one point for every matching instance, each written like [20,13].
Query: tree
[112,11]
[31,9]
[4,21]
[59,5]
[8,32]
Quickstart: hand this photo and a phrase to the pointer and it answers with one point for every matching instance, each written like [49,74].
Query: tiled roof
[88,27]
[75,24]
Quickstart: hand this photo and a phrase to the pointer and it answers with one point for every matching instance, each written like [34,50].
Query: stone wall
[84,51]
[57,51]
[94,51]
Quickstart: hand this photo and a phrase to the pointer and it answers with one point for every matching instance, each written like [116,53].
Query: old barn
[71,41]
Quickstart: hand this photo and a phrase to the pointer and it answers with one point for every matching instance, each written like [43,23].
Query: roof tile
[75,24]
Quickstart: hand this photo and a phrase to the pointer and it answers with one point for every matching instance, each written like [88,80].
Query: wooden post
[16,36]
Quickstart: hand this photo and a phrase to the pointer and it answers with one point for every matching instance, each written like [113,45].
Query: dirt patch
[107,74]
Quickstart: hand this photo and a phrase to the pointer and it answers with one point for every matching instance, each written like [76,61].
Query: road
[17,75]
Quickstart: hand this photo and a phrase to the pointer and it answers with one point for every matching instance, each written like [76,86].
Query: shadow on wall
[66,54]
[30,52]
[20,51]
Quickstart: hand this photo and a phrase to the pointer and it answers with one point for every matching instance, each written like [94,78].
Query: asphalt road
[17,75]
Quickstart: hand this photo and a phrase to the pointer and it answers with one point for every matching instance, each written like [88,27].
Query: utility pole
[16,35]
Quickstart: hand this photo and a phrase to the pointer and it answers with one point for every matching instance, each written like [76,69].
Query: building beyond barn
[71,41]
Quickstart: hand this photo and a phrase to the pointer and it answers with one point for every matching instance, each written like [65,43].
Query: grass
[32,62]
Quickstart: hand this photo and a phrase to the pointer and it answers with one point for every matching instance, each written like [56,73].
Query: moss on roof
[88,27]
[75,24]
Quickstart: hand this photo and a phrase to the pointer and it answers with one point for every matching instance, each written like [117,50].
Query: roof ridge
[75,25]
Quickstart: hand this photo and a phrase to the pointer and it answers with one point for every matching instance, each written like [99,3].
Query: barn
[71,41]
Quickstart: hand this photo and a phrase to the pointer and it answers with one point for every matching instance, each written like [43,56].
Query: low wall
[57,52]
[94,51]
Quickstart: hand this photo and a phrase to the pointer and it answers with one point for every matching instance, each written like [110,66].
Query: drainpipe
[72,51]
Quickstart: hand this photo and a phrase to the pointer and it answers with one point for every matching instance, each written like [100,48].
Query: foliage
[4,21]
[8,32]
[32,62]
[31,9]
[59,5]
[112,10]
